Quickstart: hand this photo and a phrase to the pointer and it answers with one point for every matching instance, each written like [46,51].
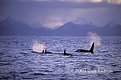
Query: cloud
[95,1]
[81,1]
[53,22]
[54,13]
[114,1]
[61,3]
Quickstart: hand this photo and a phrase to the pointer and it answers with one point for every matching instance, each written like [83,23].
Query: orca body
[43,52]
[47,52]
[91,50]
[66,54]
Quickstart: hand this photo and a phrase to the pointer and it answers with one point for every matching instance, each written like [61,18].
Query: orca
[66,54]
[43,52]
[91,50]
[47,52]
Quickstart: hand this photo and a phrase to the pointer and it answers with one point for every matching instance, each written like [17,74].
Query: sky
[53,13]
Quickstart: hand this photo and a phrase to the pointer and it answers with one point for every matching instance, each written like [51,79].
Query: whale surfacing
[91,50]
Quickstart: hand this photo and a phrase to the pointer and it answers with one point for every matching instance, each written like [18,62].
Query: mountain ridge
[10,26]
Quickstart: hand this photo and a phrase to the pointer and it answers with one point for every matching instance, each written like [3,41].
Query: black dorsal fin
[92,48]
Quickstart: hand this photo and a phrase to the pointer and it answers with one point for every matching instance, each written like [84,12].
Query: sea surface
[18,62]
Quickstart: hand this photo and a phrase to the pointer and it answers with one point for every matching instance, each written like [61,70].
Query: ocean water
[18,62]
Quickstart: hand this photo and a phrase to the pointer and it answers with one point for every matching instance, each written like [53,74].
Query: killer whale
[66,54]
[47,52]
[43,52]
[91,50]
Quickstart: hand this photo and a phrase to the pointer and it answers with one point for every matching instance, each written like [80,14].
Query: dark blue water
[17,62]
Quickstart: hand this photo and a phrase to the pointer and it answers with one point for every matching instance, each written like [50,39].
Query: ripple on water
[18,63]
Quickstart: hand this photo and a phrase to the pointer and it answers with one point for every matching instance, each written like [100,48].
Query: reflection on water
[18,63]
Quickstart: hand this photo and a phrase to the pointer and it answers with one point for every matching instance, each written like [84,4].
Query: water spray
[38,47]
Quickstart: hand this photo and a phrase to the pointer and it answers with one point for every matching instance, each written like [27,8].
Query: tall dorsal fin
[92,48]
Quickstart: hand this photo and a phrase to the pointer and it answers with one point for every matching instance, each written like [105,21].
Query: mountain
[9,26]
[82,27]
[112,23]
[111,29]
[81,21]
[72,29]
